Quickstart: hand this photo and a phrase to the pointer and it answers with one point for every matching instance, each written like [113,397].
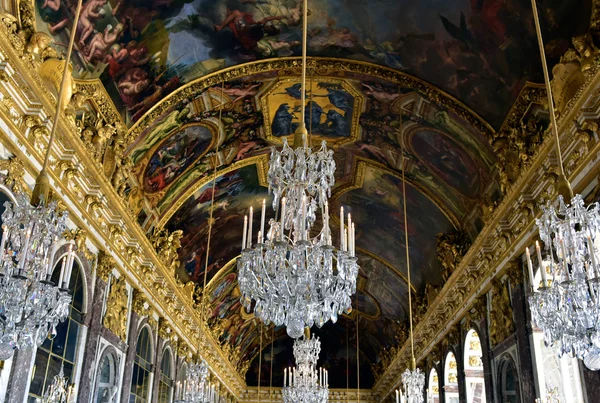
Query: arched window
[142,369]
[165,388]
[433,389]
[450,379]
[474,368]
[509,390]
[106,385]
[62,349]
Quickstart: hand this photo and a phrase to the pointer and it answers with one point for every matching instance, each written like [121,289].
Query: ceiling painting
[331,114]
[377,208]
[480,52]
[234,193]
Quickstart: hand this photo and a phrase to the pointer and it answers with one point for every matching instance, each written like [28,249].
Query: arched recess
[107,376]
[142,367]
[450,379]
[166,377]
[64,347]
[508,381]
[433,387]
[473,363]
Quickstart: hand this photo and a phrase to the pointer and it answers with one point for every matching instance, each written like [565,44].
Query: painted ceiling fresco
[481,52]
[374,126]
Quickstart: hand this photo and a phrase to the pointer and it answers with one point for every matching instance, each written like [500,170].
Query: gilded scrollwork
[501,314]
[451,247]
[106,264]
[14,174]
[115,318]
[140,304]
[79,237]
[166,245]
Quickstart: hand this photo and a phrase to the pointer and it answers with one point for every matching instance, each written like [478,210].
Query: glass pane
[105,370]
[72,341]
[77,287]
[166,364]
[58,344]
[39,368]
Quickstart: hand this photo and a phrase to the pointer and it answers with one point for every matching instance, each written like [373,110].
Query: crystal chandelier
[292,272]
[196,388]
[60,391]
[31,305]
[305,383]
[566,308]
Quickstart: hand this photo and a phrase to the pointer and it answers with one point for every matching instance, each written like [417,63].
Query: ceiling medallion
[293,274]
[566,306]
[304,383]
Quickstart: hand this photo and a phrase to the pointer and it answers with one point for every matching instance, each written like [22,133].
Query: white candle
[262,220]
[244,233]
[353,240]
[542,269]
[250,227]
[397,396]
[342,228]
[592,252]
[259,237]
[3,242]
[25,249]
[62,272]
[283,200]
[290,383]
[303,231]
[284,376]
[70,265]
[530,268]
[564,259]
[326,221]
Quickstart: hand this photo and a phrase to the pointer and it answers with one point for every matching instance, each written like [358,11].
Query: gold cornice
[320,65]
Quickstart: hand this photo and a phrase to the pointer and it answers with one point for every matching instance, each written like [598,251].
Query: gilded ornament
[501,316]
[166,245]
[14,174]
[115,318]
[164,330]
[140,306]
[451,248]
[79,236]
[105,266]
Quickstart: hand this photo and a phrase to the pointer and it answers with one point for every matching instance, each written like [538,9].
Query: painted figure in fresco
[282,122]
[55,14]
[247,31]
[337,125]
[134,17]
[91,12]
[312,116]
[342,38]
[242,91]
[294,91]
[338,97]
[101,42]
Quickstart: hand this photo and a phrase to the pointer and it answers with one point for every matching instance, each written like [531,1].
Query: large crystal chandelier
[567,308]
[292,272]
[31,305]
[196,388]
[304,383]
[59,391]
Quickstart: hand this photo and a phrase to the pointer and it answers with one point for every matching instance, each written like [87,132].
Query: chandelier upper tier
[305,383]
[292,271]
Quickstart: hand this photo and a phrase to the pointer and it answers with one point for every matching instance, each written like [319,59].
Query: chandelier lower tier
[414,384]
[196,388]
[567,305]
[305,383]
[292,272]
[32,305]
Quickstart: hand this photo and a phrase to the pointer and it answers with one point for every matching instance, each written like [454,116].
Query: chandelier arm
[42,185]
[410,320]
[540,40]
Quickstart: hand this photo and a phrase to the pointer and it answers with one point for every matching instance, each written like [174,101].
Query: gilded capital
[105,265]
[139,303]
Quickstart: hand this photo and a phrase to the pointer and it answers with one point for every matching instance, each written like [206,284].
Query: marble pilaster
[130,356]
[18,382]
[91,344]
[522,333]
